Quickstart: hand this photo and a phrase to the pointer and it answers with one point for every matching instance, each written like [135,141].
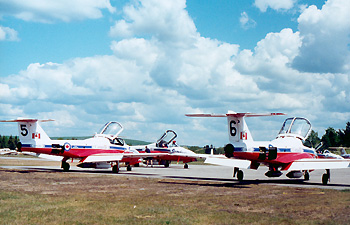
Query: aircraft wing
[112,157]
[313,164]
[230,162]
[107,157]
[180,154]
[44,156]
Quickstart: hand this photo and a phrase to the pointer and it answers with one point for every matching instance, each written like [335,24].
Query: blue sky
[146,63]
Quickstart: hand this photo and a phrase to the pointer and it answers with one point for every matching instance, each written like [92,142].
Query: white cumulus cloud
[326,38]
[51,10]
[8,34]
[274,4]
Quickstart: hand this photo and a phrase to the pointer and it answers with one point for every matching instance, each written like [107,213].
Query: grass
[37,197]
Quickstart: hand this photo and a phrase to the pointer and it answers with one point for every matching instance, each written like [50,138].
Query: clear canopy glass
[296,126]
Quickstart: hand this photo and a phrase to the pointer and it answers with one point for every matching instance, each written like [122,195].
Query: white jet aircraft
[104,150]
[167,144]
[285,153]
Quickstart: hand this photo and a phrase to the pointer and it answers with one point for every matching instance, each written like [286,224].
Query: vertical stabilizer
[237,129]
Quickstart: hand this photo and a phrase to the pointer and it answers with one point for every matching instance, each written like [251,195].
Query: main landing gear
[186,166]
[115,168]
[239,173]
[65,166]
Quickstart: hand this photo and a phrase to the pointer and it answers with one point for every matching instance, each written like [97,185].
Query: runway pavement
[219,175]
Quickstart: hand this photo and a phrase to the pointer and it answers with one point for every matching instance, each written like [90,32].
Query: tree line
[8,142]
[331,138]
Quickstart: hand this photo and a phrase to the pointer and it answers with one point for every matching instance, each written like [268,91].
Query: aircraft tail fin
[30,131]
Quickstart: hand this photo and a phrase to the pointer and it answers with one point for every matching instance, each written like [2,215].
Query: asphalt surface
[214,175]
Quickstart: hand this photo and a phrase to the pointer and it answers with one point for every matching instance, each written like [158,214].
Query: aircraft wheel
[65,166]
[128,168]
[306,175]
[325,178]
[166,165]
[115,169]
[240,175]
[186,166]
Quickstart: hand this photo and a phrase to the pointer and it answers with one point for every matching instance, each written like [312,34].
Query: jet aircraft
[285,153]
[344,154]
[104,150]
[167,144]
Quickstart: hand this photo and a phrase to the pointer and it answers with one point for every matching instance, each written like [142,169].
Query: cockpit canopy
[112,129]
[295,127]
[166,138]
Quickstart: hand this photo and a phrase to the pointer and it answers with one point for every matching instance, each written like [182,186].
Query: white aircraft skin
[285,153]
[104,150]
[7,151]
[167,144]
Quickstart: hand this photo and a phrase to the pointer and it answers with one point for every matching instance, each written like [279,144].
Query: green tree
[344,136]
[3,142]
[313,140]
[11,143]
[331,138]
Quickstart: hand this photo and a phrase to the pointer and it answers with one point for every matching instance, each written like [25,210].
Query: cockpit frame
[298,127]
[161,142]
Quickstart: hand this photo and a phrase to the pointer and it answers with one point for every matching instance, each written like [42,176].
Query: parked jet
[285,153]
[344,154]
[167,144]
[104,150]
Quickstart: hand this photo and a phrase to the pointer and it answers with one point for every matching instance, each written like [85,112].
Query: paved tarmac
[214,175]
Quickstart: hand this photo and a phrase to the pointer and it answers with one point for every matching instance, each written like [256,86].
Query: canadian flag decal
[35,135]
[243,135]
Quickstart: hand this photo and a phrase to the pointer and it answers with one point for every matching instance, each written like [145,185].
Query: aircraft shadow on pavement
[219,182]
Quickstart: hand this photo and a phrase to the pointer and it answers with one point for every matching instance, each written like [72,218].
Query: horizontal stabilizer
[234,114]
[223,161]
[313,164]
[27,120]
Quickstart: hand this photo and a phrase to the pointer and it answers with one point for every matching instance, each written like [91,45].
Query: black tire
[306,175]
[186,166]
[65,166]
[128,168]
[229,149]
[167,163]
[240,175]
[325,179]
[115,169]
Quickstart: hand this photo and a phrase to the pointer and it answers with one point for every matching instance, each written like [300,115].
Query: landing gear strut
[306,175]
[239,173]
[326,177]
[128,168]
